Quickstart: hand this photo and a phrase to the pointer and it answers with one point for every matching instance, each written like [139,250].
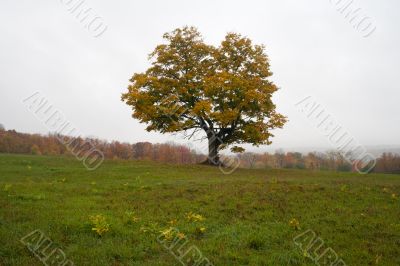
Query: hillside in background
[53,144]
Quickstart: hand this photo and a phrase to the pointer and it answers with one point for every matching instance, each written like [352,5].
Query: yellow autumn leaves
[294,223]
[227,86]
[171,232]
[192,217]
[100,225]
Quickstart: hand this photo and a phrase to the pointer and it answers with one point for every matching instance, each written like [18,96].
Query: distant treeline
[53,144]
[15,142]
[331,160]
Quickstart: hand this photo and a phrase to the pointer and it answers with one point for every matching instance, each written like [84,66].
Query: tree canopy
[222,90]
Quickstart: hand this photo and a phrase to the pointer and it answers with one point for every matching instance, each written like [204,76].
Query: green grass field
[246,214]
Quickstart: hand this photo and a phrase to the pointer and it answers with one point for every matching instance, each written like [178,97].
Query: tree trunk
[213,152]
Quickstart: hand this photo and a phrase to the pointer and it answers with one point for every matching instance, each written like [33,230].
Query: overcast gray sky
[314,51]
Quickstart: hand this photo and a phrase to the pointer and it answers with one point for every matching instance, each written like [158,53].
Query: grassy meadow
[249,217]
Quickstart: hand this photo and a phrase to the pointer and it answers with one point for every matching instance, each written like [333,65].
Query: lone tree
[193,86]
